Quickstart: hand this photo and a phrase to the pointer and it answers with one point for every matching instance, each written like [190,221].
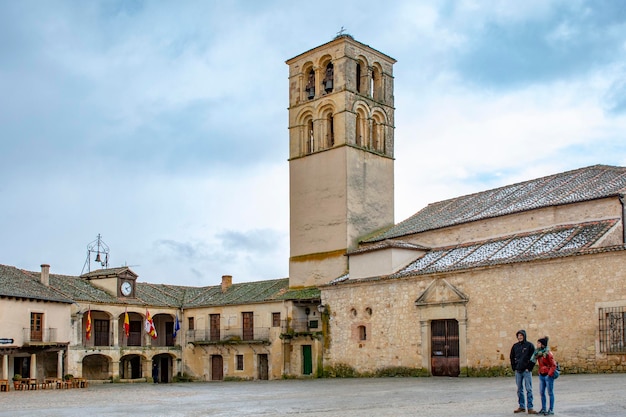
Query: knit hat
[544,340]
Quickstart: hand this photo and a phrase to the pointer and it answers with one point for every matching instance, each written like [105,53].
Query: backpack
[557,371]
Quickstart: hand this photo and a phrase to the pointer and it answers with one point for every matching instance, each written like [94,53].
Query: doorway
[263,366]
[217,368]
[307,360]
[444,348]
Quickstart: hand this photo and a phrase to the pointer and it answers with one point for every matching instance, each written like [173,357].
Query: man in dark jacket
[521,353]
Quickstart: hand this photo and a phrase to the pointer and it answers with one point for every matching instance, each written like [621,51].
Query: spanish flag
[150,329]
[126,324]
[88,327]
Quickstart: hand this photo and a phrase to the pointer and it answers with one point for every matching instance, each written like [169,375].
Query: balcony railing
[233,334]
[48,335]
[301,325]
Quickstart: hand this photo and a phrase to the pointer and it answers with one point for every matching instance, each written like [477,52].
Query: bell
[98,257]
[329,86]
[311,92]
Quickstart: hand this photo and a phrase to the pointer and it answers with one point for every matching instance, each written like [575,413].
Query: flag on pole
[88,326]
[126,323]
[150,329]
[176,326]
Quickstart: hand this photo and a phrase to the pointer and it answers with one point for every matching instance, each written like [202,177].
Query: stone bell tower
[341,181]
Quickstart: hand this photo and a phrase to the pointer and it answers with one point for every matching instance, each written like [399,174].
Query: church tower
[341,175]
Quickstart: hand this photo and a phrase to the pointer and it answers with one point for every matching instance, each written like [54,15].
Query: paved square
[576,395]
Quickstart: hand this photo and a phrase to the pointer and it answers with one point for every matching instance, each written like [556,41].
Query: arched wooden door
[217,368]
[444,348]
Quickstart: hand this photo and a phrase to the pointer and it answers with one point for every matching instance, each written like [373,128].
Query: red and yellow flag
[150,329]
[88,326]
[126,324]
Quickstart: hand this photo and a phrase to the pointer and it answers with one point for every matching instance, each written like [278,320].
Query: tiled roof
[544,244]
[65,288]
[387,243]
[108,272]
[15,282]
[301,294]
[554,242]
[242,293]
[594,182]
[79,289]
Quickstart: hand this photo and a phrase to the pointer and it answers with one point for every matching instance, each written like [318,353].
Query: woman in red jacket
[547,366]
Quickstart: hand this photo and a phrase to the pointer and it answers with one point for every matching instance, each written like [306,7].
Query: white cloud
[164,126]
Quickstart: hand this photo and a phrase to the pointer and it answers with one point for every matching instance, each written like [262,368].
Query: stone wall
[558,298]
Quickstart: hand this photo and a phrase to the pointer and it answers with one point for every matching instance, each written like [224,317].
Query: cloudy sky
[162,125]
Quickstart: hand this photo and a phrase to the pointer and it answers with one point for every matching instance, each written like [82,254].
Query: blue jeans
[524,380]
[546,382]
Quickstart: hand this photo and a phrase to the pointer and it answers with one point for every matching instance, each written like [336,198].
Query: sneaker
[550,413]
[543,412]
[520,410]
[531,411]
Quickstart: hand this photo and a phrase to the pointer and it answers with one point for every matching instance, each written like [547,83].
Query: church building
[441,293]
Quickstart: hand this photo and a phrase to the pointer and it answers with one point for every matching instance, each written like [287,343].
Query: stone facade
[442,292]
[341,121]
[559,298]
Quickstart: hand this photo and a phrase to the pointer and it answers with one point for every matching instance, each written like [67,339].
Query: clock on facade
[126,288]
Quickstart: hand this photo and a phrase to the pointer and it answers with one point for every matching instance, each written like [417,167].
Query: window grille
[613,330]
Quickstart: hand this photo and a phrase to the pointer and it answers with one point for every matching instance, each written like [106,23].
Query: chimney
[227,281]
[45,274]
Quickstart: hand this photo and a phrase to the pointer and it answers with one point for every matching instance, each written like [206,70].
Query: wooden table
[50,383]
[81,383]
[30,383]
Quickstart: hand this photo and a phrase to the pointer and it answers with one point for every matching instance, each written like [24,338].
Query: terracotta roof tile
[543,244]
[18,283]
[594,182]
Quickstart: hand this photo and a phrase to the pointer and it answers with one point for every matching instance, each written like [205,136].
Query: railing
[300,325]
[612,326]
[231,334]
[48,335]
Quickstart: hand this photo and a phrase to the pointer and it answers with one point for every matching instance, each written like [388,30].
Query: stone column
[463,346]
[425,343]
[115,369]
[79,329]
[5,366]
[116,332]
[60,364]
[33,366]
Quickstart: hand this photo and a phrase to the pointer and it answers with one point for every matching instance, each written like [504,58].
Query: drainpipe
[623,201]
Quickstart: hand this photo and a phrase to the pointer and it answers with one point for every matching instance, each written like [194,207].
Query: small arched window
[362,333]
[375,135]
[378,135]
[330,130]
[309,136]
[310,85]
[328,81]
[360,129]
[358,77]
[377,84]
